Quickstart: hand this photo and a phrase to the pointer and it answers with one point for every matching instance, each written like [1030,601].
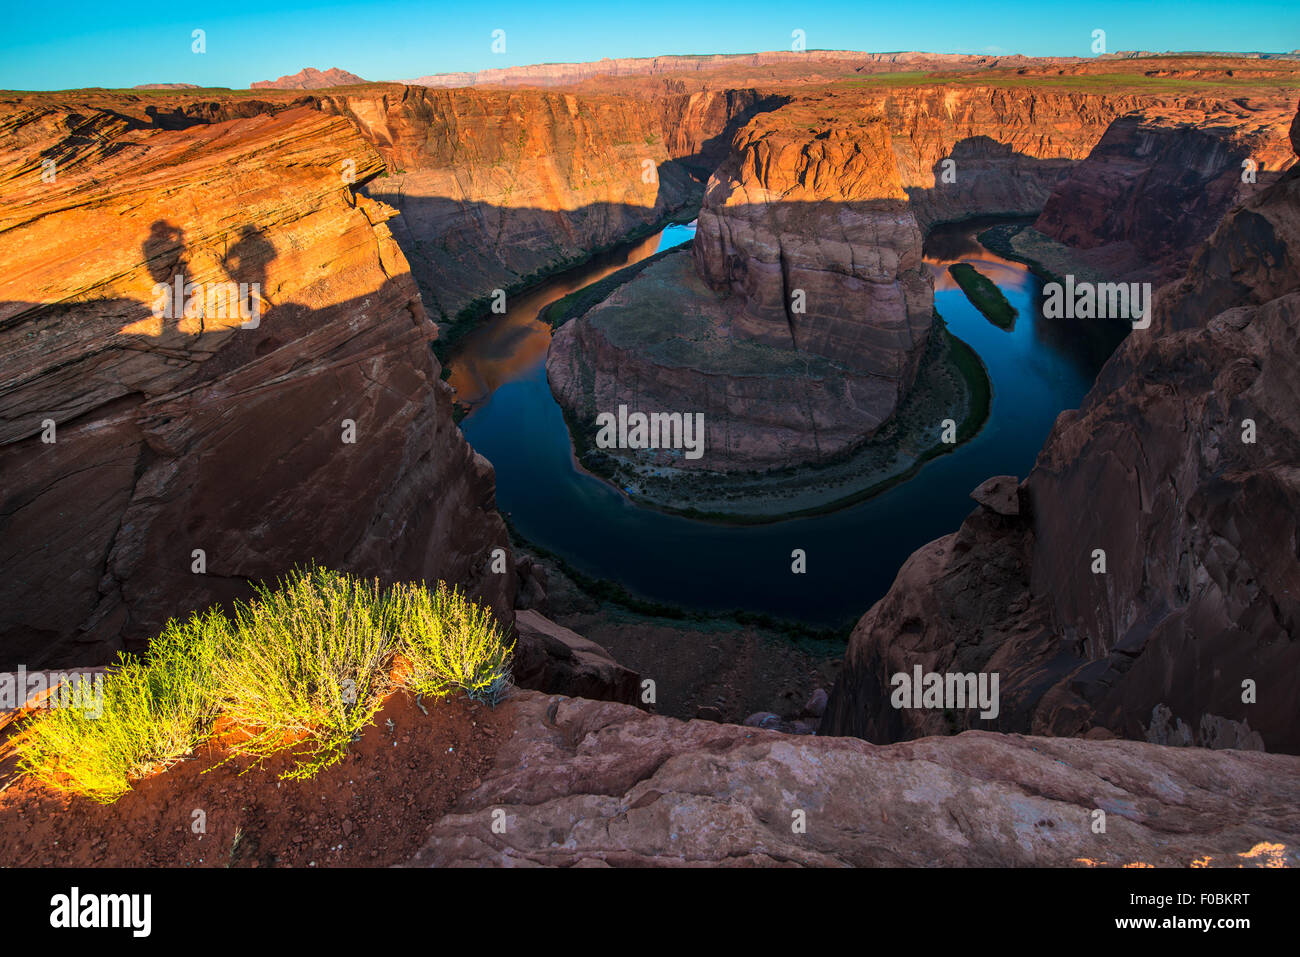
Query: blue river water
[1038,369]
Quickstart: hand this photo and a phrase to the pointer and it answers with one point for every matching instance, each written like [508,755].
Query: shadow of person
[164,251]
[246,262]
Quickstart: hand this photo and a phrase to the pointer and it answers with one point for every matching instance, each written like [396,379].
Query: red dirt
[375,808]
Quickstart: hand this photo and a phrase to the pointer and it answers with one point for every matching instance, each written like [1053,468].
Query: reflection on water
[946,246]
[507,346]
[1037,369]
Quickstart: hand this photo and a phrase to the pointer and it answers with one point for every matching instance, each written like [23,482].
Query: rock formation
[594,784]
[498,188]
[550,658]
[1159,181]
[807,320]
[154,465]
[811,204]
[808,223]
[309,79]
[1180,466]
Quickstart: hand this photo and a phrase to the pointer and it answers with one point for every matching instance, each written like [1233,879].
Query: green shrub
[301,669]
[450,643]
[153,713]
[306,667]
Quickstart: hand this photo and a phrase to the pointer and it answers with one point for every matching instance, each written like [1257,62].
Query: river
[1038,369]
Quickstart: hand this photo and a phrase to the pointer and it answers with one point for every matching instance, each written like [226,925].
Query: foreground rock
[585,783]
[1179,473]
[155,465]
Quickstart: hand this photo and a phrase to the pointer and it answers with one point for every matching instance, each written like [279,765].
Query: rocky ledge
[154,463]
[592,784]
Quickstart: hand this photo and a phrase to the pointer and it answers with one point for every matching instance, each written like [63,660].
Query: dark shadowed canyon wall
[500,187]
[1181,466]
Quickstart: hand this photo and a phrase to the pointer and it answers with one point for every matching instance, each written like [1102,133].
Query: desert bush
[302,669]
[450,643]
[153,712]
[306,667]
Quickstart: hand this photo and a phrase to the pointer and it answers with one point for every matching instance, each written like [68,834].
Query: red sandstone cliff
[499,187]
[191,433]
[1159,181]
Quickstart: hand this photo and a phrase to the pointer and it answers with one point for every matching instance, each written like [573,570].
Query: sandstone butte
[309,79]
[180,436]
[816,312]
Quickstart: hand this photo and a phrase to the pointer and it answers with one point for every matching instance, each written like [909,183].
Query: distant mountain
[310,79]
[167,86]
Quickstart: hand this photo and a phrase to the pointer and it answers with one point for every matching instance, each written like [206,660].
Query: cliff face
[1133,182]
[129,442]
[495,187]
[807,221]
[1180,467]
[1160,180]
[1009,148]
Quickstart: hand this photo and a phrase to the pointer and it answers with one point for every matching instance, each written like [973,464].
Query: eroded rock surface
[1160,180]
[594,784]
[554,659]
[188,434]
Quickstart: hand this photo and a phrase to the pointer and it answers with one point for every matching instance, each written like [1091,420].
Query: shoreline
[979,386]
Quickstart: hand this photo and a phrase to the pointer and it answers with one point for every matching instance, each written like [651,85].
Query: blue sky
[123,42]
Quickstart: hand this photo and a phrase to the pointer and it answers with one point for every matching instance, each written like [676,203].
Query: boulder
[551,658]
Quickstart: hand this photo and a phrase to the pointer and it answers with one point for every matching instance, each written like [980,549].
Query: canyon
[817,311]
[380,222]
[824,309]
[1192,507]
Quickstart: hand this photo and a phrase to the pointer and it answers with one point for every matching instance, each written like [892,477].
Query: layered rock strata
[496,188]
[155,464]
